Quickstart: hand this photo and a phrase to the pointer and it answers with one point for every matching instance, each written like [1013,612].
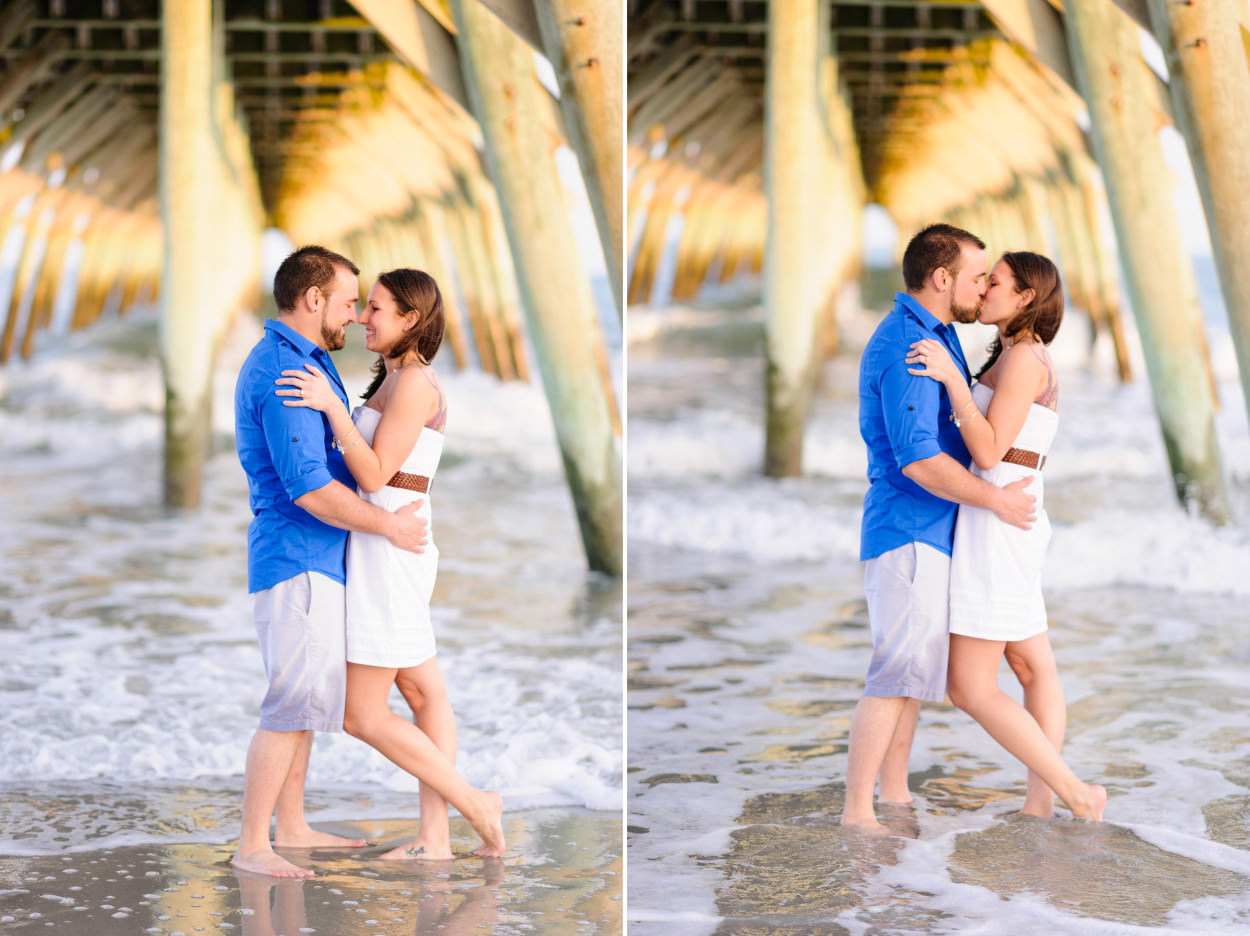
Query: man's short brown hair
[938,245]
[307,267]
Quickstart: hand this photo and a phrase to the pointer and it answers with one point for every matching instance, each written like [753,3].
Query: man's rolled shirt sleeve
[910,410]
[296,436]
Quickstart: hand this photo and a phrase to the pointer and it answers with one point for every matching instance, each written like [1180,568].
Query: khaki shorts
[908,591]
[303,642]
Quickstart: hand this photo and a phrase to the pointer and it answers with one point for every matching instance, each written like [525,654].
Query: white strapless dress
[388,589]
[996,569]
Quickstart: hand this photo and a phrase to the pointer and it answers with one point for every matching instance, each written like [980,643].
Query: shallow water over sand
[564,878]
[748,642]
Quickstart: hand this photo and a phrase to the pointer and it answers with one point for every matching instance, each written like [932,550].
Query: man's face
[969,286]
[339,309]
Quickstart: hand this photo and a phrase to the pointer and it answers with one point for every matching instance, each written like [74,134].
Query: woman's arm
[1021,375]
[412,400]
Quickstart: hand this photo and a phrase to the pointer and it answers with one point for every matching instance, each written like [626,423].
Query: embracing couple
[341,618]
[947,600]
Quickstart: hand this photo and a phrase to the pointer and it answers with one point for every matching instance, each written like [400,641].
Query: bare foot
[869,826]
[311,838]
[266,862]
[418,850]
[902,797]
[489,825]
[1042,809]
[1092,805]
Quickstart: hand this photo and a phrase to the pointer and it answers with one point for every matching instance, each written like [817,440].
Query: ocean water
[748,642]
[129,672]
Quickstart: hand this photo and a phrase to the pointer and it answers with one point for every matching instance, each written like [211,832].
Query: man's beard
[964,315]
[334,340]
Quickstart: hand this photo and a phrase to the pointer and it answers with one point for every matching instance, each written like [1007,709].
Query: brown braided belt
[411,482]
[1024,457]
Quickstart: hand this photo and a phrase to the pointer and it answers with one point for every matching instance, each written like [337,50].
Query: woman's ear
[412,320]
[1026,297]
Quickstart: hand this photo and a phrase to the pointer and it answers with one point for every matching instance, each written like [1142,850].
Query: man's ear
[940,278]
[312,297]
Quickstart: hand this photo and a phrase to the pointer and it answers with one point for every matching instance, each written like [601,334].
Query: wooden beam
[32,65]
[188,212]
[14,20]
[1210,87]
[583,40]
[52,101]
[554,289]
[1138,11]
[421,39]
[1160,278]
[1038,27]
[521,17]
[792,170]
[659,70]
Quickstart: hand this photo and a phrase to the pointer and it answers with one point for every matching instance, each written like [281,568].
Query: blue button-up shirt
[905,418]
[286,452]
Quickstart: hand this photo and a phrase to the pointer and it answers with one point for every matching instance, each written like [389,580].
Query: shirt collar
[292,337]
[927,318]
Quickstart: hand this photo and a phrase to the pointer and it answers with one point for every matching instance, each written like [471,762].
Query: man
[917,472]
[303,503]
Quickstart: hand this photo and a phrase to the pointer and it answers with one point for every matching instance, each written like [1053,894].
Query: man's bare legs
[1033,662]
[270,758]
[893,786]
[879,730]
[291,829]
[369,718]
[425,692]
[973,686]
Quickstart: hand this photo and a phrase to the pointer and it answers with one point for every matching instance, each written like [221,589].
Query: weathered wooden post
[555,292]
[583,40]
[428,255]
[467,276]
[1105,272]
[1106,55]
[792,278]
[187,210]
[1210,84]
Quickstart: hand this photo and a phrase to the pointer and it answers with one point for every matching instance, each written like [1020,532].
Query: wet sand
[562,875]
[741,688]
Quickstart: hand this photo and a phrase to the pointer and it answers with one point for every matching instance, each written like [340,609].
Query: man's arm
[944,477]
[337,505]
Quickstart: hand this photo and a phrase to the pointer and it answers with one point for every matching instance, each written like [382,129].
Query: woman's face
[383,324]
[1002,301]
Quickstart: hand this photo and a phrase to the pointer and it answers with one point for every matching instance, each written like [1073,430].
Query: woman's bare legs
[972,683]
[369,718]
[1033,662]
[425,692]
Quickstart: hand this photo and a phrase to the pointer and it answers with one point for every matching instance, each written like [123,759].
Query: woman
[392,446]
[1007,420]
